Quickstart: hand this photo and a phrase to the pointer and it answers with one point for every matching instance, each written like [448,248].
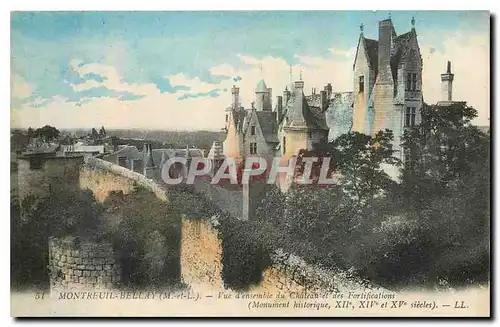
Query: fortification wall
[229,199]
[103,177]
[49,175]
[201,255]
[201,249]
[75,263]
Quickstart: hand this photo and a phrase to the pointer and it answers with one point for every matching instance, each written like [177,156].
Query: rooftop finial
[448,67]
[413,22]
[301,74]
[389,15]
[261,66]
[361,28]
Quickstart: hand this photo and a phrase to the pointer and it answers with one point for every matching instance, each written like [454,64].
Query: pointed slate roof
[261,86]
[267,122]
[371,50]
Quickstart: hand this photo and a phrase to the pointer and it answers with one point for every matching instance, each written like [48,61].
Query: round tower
[262,96]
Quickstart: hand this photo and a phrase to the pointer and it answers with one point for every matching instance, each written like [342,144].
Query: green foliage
[360,159]
[47,132]
[433,227]
[244,256]
[146,235]
[34,220]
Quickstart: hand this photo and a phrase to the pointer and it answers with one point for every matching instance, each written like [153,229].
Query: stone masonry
[76,263]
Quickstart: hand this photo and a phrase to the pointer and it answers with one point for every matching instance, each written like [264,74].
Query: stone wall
[201,250]
[51,175]
[102,177]
[201,255]
[227,199]
[76,263]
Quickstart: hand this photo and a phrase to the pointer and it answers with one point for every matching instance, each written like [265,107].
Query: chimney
[297,116]
[270,99]
[323,104]
[286,95]
[235,91]
[447,83]
[279,108]
[386,34]
[328,89]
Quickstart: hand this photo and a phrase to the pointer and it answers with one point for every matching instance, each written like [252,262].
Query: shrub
[244,256]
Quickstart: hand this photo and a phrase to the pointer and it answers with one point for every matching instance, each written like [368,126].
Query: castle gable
[370,48]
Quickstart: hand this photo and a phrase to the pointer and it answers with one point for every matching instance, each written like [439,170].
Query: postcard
[250,164]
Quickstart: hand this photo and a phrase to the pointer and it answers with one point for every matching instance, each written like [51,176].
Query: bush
[147,238]
[244,257]
[34,220]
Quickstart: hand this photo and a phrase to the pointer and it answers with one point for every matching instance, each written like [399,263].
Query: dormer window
[253,130]
[361,84]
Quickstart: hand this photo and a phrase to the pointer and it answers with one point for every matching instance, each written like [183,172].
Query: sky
[175,70]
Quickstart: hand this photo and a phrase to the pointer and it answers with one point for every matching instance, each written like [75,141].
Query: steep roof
[313,116]
[239,118]
[400,48]
[371,51]
[128,151]
[261,86]
[267,122]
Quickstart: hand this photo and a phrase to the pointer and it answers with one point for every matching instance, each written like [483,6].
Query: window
[227,118]
[253,130]
[310,135]
[284,145]
[411,82]
[253,148]
[410,116]
[361,84]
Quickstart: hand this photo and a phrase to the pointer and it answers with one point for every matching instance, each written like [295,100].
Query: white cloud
[112,80]
[20,89]
[470,63]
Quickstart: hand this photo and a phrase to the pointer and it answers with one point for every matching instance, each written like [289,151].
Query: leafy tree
[47,132]
[443,150]
[359,160]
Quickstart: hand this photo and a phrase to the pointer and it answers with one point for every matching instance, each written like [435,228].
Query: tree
[359,159]
[47,132]
[443,150]
[31,132]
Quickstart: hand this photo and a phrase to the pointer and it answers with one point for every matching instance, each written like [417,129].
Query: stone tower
[447,84]
[262,96]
